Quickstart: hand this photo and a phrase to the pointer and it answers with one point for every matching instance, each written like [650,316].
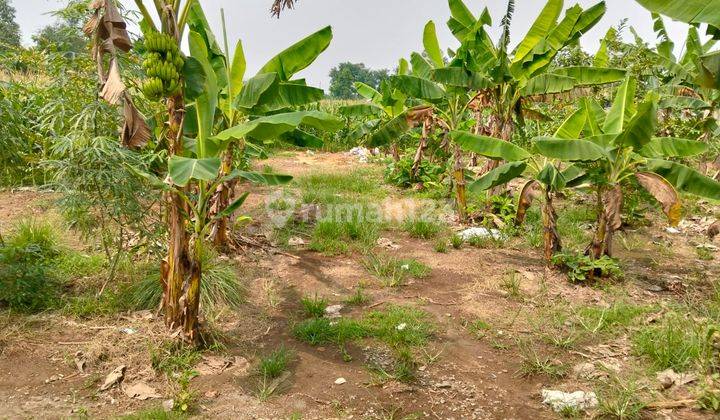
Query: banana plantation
[519,219]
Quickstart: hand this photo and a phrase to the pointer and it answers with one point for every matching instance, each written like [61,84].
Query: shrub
[581,267]
[26,283]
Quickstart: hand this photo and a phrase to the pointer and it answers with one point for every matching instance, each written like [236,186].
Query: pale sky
[374,32]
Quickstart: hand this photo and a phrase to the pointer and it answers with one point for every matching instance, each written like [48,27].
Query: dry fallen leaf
[141,391]
[113,378]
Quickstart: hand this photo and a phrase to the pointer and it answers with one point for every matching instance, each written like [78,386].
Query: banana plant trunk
[417,160]
[459,181]
[180,271]
[609,202]
[551,237]
[221,201]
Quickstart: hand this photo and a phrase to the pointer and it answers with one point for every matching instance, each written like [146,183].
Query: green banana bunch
[163,64]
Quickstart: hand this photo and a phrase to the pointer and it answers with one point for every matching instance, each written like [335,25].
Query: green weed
[676,343]
[276,363]
[314,307]
[393,272]
[423,229]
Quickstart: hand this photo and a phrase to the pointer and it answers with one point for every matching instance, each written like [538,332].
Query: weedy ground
[428,326]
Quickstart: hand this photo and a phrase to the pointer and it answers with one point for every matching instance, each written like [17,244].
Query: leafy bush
[26,283]
[400,173]
[581,267]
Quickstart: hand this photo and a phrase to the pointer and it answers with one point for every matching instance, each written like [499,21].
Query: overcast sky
[374,32]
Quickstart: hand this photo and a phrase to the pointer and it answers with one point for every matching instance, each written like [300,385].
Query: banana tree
[625,135]
[271,91]
[488,78]
[686,82]
[212,89]
[545,176]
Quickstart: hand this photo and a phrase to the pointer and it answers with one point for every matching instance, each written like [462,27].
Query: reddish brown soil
[460,377]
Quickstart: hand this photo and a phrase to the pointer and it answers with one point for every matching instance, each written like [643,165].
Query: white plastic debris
[405,266]
[559,400]
[340,381]
[333,311]
[362,154]
[401,327]
[672,230]
[481,232]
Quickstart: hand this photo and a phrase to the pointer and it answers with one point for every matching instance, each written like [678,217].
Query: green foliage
[581,267]
[456,241]
[399,326]
[348,228]
[173,358]
[676,342]
[359,297]
[314,307]
[276,363]
[619,314]
[620,399]
[220,287]
[392,271]
[344,75]
[9,29]
[27,283]
[399,173]
[422,228]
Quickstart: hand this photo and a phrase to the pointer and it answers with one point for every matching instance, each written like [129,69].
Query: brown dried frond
[280,5]
[135,133]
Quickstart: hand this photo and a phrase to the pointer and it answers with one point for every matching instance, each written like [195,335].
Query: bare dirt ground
[460,376]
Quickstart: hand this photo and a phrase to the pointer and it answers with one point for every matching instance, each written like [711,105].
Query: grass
[511,284]
[219,287]
[441,245]
[345,229]
[392,271]
[423,229]
[358,298]
[456,241]
[618,399]
[534,364]
[618,315]
[676,343]
[173,358]
[314,307]
[331,188]
[276,363]
[395,326]
[153,414]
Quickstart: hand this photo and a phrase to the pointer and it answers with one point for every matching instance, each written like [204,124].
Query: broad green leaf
[181,169]
[459,77]
[237,71]
[685,179]
[551,178]
[623,108]
[233,207]
[253,89]
[544,23]
[563,31]
[601,58]
[546,84]
[592,76]
[260,177]
[689,11]
[152,179]
[420,66]
[595,116]
[432,46]
[390,132]
[368,92]
[418,88]
[272,127]
[461,19]
[666,46]
[489,146]
[403,67]
[281,96]
[195,79]
[641,128]
[498,176]
[588,19]
[300,55]
[197,22]
[206,103]
[682,102]
[663,147]
[570,150]
[573,126]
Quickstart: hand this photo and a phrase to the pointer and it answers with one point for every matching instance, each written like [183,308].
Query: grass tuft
[314,307]
[393,272]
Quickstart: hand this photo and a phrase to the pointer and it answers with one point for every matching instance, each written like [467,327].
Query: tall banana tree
[179,271]
[625,138]
[498,84]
